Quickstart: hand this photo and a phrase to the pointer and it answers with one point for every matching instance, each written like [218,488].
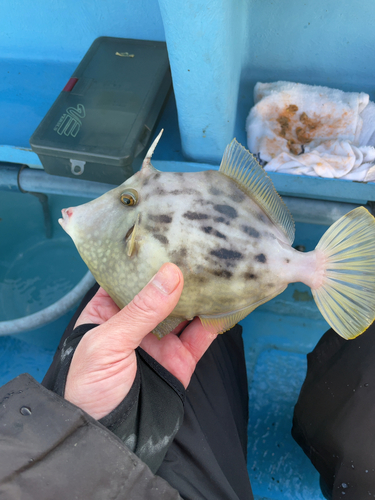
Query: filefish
[231,235]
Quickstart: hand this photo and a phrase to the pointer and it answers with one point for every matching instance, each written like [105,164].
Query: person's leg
[207,459]
[334,418]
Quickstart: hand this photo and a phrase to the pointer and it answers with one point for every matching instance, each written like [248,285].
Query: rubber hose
[50,313]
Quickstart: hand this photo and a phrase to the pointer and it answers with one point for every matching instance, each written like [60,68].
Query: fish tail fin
[346,297]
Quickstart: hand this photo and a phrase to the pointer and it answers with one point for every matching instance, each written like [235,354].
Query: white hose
[50,313]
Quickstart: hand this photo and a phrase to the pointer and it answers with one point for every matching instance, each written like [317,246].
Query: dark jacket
[52,449]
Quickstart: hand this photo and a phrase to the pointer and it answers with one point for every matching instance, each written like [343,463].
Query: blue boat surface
[217,52]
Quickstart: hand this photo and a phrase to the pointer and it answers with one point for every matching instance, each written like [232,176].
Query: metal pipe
[9,177]
[38,180]
[20,178]
[323,212]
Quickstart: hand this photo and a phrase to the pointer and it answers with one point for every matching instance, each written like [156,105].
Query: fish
[231,234]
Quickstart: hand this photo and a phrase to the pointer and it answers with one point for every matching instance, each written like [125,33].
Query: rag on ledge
[310,130]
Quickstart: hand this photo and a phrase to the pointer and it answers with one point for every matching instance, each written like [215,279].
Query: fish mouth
[66,214]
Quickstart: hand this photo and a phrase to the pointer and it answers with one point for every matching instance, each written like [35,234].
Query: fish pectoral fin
[221,323]
[242,167]
[166,326]
[130,247]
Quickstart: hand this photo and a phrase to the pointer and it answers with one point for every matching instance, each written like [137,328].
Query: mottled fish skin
[231,234]
[231,254]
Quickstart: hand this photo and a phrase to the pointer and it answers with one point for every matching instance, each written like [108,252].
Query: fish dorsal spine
[147,161]
[242,167]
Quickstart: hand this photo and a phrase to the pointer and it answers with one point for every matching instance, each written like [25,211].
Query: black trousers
[334,418]
[207,459]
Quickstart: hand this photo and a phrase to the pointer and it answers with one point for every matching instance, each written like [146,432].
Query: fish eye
[129,197]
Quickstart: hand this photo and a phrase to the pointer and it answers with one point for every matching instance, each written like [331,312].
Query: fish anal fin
[224,322]
[220,323]
[166,326]
[242,167]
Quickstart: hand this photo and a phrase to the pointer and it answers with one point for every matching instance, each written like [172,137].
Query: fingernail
[166,280]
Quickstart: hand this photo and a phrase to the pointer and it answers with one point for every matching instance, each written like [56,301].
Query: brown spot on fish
[225,254]
[237,196]
[178,256]
[211,230]
[200,278]
[222,273]
[250,276]
[263,218]
[156,176]
[221,219]
[195,216]
[215,191]
[287,261]
[226,210]
[251,231]
[182,252]
[163,218]
[261,258]
[161,238]
[183,191]
[160,191]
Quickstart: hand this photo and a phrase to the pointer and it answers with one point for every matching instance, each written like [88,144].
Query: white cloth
[312,130]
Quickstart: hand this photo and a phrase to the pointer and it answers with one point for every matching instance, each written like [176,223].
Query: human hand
[104,364]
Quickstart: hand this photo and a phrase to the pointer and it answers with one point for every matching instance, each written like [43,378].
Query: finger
[196,339]
[149,308]
[99,310]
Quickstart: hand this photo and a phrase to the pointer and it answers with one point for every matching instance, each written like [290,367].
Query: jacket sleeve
[52,449]
[151,414]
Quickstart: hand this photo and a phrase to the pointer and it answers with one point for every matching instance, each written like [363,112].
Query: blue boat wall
[217,52]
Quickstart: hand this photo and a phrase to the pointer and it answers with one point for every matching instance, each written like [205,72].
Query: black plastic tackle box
[103,118]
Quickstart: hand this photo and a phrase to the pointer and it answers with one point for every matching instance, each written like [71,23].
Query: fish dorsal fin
[131,243]
[241,166]
[147,161]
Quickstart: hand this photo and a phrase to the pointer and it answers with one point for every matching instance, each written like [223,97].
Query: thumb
[151,306]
